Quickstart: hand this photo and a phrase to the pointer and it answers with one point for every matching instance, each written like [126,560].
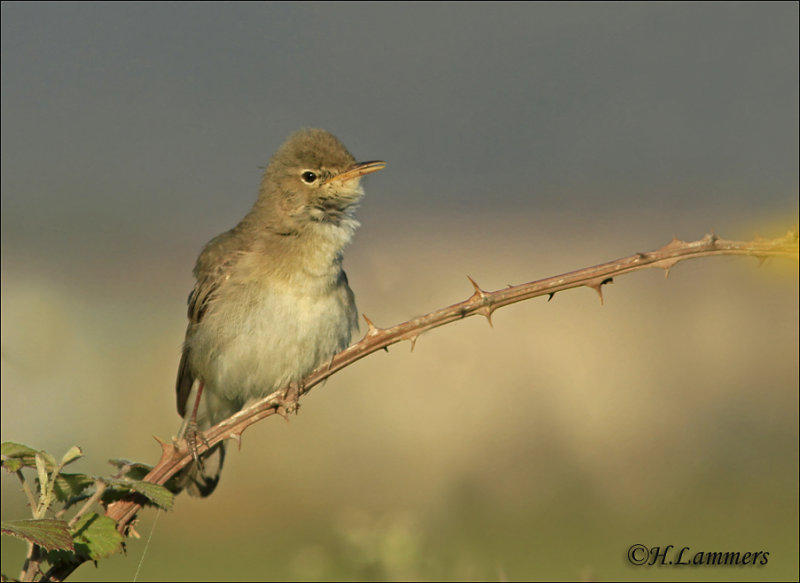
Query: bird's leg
[288,401]
[191,432]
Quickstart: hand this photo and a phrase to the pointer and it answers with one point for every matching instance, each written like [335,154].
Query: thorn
[550,296]
[479,293]
[762,259]
[487,311]
[666,265]
[673,244]
[599,290]
[371,328]
[238,438]
[386,348]
[167,447]
[478,289]
[598,287]
[281,410]
[413,341]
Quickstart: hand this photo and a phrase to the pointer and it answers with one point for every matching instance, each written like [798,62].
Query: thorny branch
[176,455]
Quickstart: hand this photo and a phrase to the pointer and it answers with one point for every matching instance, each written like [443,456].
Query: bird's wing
[211,270]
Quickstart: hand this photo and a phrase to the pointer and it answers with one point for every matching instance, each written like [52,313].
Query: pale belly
[275,337]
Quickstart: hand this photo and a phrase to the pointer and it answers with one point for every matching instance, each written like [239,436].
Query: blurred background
[522,141]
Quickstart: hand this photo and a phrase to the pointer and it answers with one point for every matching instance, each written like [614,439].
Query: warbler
[271,301]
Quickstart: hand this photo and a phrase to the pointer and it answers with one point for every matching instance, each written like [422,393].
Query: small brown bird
[271,301]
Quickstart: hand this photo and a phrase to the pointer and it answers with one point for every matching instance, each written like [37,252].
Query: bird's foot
[194,437]
[288,402]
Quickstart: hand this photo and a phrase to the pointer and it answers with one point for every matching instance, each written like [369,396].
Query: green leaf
[73,454]
[42,472]
[133,470]
[12,465]
[71,485]
[47,533]
[14,454]
[10,449]
[155,493]
[96,536]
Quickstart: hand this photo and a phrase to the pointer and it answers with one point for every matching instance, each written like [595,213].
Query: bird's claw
[194,436]
[288,402]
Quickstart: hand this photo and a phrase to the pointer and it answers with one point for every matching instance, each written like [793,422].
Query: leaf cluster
[68,525]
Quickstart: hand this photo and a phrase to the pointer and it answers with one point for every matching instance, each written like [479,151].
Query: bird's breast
[259,336]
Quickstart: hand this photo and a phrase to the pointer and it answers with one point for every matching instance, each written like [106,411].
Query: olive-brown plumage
[271,301]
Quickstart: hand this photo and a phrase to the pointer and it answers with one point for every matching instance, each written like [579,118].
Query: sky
[522,140]
[118,115]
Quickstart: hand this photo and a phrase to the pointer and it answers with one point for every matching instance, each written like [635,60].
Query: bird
[271,301]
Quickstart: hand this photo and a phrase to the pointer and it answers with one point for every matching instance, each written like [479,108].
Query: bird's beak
[358,170]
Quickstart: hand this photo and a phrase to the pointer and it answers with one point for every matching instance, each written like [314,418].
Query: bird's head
[313,178]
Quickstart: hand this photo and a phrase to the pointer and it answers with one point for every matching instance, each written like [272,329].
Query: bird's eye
[308,176]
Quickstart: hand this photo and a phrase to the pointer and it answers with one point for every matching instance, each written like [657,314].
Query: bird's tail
[200,477]
[199,480]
